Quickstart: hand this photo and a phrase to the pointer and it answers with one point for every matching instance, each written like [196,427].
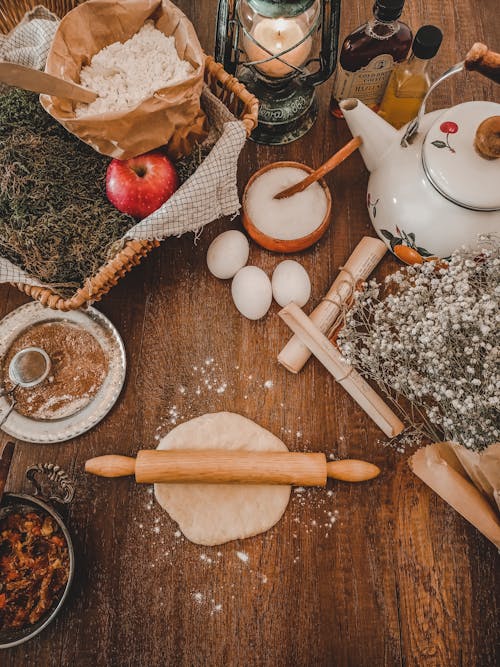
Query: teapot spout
[376,134]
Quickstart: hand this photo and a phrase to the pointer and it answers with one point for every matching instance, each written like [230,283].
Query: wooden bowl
[283,245]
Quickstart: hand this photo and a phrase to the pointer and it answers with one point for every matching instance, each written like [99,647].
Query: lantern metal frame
[287,104]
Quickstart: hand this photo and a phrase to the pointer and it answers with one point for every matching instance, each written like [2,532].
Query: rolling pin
[231,467]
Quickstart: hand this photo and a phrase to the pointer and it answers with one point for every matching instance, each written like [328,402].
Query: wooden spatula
[40,82]
[223,467]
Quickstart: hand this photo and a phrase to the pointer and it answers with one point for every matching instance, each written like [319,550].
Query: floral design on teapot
[372,204]
[448,127]
[405,248]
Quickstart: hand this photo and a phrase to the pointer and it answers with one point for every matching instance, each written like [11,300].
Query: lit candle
[277,35]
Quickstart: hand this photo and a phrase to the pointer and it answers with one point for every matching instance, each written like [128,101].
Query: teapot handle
[412,128]
[479,59]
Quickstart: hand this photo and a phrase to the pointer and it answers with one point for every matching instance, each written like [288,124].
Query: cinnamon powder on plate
[79,367]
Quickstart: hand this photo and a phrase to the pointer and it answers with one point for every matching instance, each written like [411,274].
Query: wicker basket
[228,89]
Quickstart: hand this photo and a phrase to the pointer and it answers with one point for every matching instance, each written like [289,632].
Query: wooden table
[398,578]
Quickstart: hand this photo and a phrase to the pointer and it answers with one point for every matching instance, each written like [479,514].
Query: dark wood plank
[397,578]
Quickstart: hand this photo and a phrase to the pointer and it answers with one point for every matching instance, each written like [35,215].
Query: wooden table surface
[378,574]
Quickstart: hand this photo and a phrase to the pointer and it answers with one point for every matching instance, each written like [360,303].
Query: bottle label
[367,83]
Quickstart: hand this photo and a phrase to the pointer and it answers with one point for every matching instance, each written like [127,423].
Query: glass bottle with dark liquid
[368,56]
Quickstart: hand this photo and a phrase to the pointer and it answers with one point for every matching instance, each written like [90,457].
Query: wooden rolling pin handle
[352,470]
[111,465]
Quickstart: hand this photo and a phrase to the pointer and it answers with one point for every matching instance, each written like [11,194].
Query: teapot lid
[453,165]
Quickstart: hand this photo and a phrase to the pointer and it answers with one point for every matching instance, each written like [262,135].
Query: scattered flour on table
[223,570]
[243,556]
[124,75]
[207,377]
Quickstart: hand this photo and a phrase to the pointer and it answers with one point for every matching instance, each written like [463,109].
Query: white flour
[243,556]
[126,74]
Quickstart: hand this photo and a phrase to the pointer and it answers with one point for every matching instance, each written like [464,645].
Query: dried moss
[55,220]
[186,166]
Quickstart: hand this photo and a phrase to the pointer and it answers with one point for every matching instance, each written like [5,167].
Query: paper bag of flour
[172,116]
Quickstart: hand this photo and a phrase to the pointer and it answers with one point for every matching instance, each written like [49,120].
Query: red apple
[140,185]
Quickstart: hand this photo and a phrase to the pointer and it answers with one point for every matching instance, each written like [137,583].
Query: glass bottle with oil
[410,80]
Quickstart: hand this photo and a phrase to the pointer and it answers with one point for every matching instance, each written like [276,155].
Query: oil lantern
[281,50]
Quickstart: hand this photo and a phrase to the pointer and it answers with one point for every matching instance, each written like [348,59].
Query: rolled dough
[211,514]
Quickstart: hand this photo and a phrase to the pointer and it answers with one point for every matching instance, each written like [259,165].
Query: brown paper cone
[440,468]
[483,469]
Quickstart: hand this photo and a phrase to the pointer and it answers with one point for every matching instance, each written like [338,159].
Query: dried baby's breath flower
[429,335]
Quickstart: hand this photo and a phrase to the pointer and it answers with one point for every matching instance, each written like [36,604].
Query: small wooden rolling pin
[223,467]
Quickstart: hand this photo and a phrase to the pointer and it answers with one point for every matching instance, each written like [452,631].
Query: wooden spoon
[40,82]
[5,461]
[325,168]
[226,467]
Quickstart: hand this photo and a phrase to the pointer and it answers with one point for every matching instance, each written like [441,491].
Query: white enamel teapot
[435,184]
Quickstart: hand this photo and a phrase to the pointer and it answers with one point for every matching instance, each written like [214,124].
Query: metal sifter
[27,369]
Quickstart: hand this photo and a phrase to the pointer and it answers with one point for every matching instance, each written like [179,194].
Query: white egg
[227,253]
[291,282]
[252,292]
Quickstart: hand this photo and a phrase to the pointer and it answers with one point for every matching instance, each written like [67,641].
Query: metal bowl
[17,502]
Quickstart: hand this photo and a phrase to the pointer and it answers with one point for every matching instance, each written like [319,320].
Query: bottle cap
[427,42]
[388,10]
